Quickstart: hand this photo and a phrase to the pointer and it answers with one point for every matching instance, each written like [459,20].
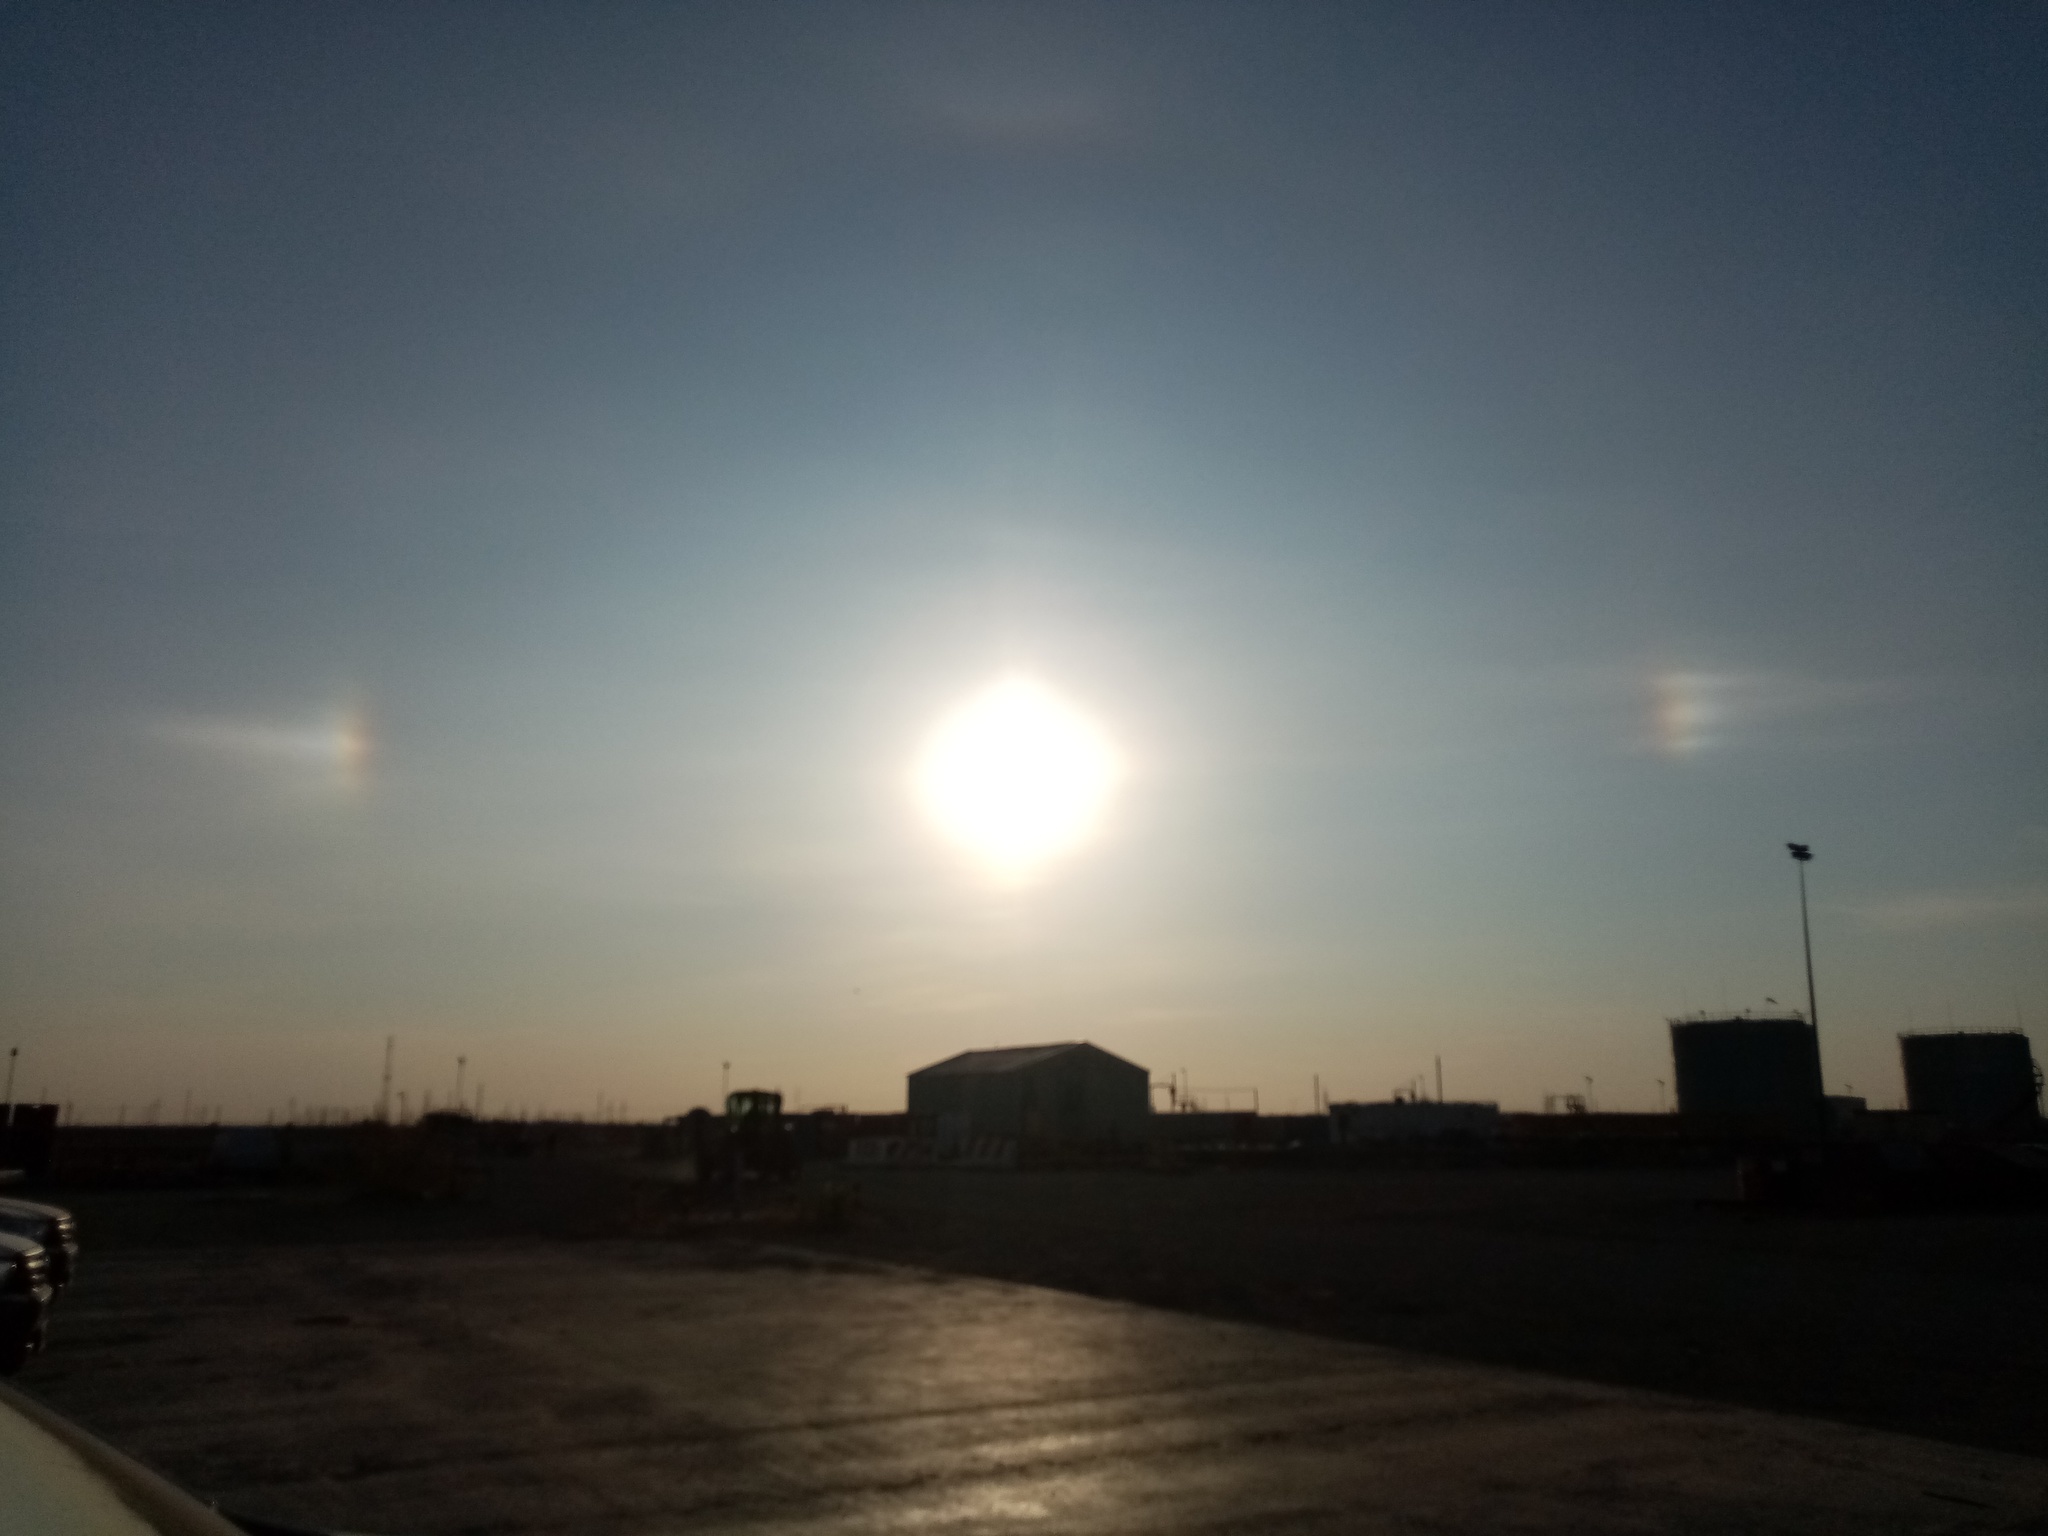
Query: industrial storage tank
[1767,1066]
[1977,1080]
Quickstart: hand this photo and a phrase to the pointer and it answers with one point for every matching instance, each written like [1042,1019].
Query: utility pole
[1802,855]
[460,1063]
[1439,1079]
[384,1097]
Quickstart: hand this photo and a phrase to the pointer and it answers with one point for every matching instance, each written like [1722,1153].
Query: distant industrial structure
[1067,1096]
[1748,1065]
[1980,1081]
[1411,1120]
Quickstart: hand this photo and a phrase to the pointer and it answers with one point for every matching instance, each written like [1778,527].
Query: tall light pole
[1802,855]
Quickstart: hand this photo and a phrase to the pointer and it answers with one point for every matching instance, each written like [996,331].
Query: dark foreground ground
[633,1388]
[375,1367]
[1928,1323]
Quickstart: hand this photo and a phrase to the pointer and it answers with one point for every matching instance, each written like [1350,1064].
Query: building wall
[1975,1080]
[968,1104]
[1766,1067]
[1084,1095]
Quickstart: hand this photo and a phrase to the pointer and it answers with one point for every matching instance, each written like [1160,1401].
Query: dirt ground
[633,1388]
[481,1367]
[1927,1323]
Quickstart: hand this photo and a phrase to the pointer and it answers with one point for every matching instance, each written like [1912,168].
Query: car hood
[63,1482]
[32,1208]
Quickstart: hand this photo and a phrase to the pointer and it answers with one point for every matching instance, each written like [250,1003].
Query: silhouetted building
[1983,1081]
[1845,1109]
[28,1136]
[1208,1130]
[1748,1066]
[1074,1094]
[1411,1120]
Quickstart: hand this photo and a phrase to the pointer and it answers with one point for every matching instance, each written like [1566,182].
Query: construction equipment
[759,1143]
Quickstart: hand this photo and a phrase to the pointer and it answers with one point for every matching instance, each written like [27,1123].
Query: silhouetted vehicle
[751,1141]
[758,1141]
[25,1297]
[52,1226]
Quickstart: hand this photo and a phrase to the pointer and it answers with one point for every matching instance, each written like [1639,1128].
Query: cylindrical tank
[1748,1066]
[1977,1080]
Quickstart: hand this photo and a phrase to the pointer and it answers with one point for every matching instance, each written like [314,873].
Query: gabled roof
[1010,1059]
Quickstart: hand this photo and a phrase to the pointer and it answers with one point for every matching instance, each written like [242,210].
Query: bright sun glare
[1017,778]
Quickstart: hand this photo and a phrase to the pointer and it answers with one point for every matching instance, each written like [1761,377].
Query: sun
[1017,778]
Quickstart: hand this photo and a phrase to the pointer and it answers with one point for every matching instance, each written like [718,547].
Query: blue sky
[494,496]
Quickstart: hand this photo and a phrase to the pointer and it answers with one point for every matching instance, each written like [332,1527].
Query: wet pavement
[644,1387]
[1922,1322]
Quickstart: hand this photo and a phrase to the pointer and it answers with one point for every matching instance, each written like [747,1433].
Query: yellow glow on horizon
[1017,778]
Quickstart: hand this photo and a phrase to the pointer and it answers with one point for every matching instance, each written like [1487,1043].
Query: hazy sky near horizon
[494,495]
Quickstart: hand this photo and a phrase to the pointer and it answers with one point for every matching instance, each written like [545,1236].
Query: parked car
[52,1226]
[25,1297]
